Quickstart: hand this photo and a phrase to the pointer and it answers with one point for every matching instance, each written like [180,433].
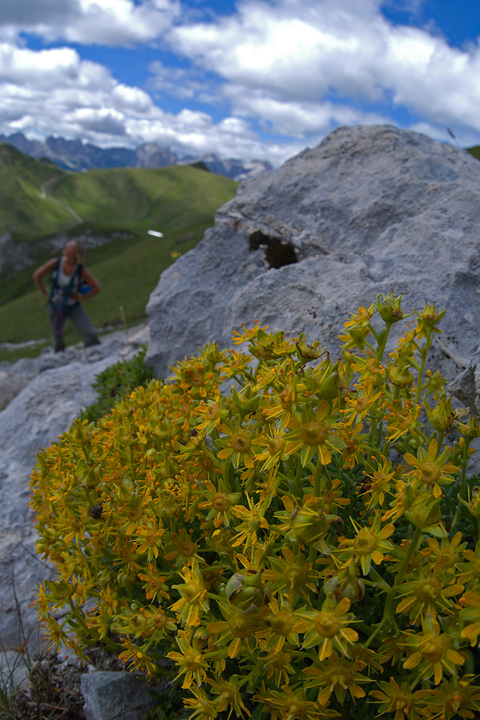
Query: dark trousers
[81,321]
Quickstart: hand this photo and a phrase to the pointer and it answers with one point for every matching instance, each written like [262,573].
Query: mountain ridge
[77,156]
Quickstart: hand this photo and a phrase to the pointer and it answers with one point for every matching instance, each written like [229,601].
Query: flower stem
[383,337]
[398,579]
[424,353]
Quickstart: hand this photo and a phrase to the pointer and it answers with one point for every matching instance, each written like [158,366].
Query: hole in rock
[277,252]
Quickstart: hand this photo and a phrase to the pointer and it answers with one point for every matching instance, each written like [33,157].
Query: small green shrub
[298,535]
[115,383]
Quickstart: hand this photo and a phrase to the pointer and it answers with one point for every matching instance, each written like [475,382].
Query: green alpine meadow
[120,205]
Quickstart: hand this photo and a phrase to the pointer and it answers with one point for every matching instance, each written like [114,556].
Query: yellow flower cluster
[283,527]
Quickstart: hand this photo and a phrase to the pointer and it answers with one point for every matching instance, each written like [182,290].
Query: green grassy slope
[178,201]
[22,208]
[133,198]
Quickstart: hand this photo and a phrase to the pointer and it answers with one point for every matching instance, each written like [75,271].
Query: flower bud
[425,513]
[390,309]
[330,385]
[310,527]
[247,592]
[400,377]
[308,352]
[136,624]
[441,416]
[473,504]
[60,589]
[429,317]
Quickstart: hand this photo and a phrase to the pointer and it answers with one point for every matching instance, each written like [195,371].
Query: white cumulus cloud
[104,22]
[290,52]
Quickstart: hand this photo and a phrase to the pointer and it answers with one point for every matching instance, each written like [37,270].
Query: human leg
[82,322]
[56,323]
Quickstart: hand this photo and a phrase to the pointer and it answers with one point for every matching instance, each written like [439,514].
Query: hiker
[71,283]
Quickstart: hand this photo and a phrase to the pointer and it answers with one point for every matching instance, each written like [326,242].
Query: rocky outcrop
[371,209]
[466,386]
[61,387]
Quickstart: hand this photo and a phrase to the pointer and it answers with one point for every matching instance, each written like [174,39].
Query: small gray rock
[115,696]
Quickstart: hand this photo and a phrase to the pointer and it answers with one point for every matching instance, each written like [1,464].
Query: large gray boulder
[371,209]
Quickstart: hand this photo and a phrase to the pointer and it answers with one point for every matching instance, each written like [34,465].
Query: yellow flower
[358,328]
[426,594]
[402,418]
[238,446]
[279,667]
[369,543]
[280,405]
[247,335]
[273,443]
[190,660]
[213,414]
[457,697]
[359,403]
[228,696]
[148,539]
[237,627]
[378,482]
[430,468]
[159,623]
[154,583]
[292,573]
[327,628]
[184,549]
[253,521]
[194,599]
[399,699]
[445,555]
[355,445]
[312,435]
[136,656]
[309,523]
[473,504]
[281,623]
[291,704]
[471,567]
[219,503]
[202,708]
[433,651]
[336,675]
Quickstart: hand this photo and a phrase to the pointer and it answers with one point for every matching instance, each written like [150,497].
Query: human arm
[39,273]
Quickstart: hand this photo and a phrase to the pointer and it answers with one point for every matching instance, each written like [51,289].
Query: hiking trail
[43,194]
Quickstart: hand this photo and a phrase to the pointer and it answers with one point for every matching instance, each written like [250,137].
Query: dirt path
[43,194]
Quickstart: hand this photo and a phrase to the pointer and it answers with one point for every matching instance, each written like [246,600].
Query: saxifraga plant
[299,536]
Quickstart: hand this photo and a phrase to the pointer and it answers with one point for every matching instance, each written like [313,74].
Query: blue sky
[240,78]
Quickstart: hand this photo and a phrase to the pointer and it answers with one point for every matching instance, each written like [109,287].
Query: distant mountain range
[78,156]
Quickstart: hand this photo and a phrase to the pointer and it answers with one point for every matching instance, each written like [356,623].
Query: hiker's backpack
[58,297]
